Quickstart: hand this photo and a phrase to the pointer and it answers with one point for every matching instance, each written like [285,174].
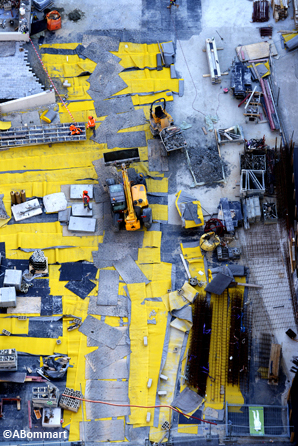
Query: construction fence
[256,420]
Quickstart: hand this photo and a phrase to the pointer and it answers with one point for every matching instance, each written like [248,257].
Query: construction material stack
[213,62]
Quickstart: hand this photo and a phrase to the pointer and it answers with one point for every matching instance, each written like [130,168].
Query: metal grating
[40,134]
[263,250]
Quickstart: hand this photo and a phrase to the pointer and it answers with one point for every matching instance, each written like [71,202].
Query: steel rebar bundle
[197,369]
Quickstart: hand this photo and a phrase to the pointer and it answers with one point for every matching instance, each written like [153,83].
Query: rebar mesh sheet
[264,252]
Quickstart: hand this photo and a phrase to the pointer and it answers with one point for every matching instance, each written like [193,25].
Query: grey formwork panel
[124,340]
[127,140]
[108,285]
[118,370]
[106,356]
[95,411]
[129,270]
[101,332]
[119,310]
[102,430]
[107,390]
[109,252]
[157,156]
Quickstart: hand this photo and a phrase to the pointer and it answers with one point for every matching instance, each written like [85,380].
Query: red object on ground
[214,225]
[53,21]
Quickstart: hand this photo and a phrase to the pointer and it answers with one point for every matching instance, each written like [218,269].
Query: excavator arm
[131,221]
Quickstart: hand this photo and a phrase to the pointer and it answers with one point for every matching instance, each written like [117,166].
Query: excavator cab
[118,203]
[159,118]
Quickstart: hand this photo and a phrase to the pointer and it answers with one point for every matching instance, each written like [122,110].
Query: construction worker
[86,199]
[75,130]
[91,124]
[172,2]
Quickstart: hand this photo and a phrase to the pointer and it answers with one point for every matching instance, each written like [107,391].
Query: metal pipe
[18,197]
[185,266]
[23,196]
[12,197]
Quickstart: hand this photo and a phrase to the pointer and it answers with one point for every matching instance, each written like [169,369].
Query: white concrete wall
[6,37]
[36,100]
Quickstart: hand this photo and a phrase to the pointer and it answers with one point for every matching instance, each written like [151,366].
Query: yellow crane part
[131,221]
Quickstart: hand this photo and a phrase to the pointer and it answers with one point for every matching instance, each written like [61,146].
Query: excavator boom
[131,221]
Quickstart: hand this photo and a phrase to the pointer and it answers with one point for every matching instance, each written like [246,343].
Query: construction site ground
[143,309]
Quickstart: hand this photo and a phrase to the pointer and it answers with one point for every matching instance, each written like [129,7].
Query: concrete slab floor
[189,26]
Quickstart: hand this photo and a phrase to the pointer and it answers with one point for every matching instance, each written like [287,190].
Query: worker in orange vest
[172,2]
[75,130]
[91,124]
[86,199]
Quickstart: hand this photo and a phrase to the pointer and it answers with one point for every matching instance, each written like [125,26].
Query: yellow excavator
[159,117]
[129,203]
[162,125]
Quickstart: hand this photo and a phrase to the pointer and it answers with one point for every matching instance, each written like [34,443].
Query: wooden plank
[256,51]
[274,364]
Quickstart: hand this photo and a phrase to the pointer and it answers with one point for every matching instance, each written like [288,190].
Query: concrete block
[36,100]
[64,216]
[82,224]
[162,392]
[8,297]
[51,418]
[149,383]
[26,210]
[164,377]
[76,191]
[17,36]
[13,278]
[145,341]
[78,210]
[55,202]
[148,417]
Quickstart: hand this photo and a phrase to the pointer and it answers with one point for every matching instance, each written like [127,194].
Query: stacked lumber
[280,9]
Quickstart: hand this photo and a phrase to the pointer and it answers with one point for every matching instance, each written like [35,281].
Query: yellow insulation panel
[137,54]
[149,255]
[159,212]
[145,81]
[14,325]
[157,185]
[61,176]
[188,429]
[139,357]
[66,46]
